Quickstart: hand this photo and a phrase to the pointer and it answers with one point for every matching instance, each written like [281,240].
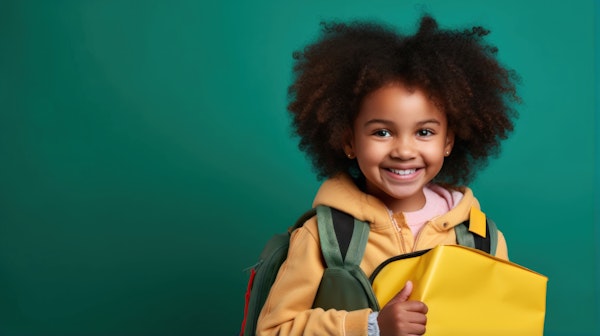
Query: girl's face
[400,139]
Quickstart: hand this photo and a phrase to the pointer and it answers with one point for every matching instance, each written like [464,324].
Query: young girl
[397,124]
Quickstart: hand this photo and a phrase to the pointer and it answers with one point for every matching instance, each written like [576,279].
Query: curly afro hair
[456,68]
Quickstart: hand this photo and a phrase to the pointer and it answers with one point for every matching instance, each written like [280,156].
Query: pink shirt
[438,201]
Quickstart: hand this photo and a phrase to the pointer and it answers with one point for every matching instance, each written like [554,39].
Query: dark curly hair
[456,68]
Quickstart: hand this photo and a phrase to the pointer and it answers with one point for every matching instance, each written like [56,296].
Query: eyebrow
[388,122]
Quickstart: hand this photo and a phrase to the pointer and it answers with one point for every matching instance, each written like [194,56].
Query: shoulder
[308,230]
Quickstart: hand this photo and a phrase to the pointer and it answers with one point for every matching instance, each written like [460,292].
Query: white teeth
[403,171]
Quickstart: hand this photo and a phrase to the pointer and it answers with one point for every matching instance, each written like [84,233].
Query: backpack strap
[337,231]
[343,227]
[492,233]
[469,233]
[343,242]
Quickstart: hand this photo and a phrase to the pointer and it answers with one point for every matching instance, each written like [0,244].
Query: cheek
[435,154]
[370,153]
[368,161]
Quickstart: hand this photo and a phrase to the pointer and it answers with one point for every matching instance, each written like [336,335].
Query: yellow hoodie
[287,310]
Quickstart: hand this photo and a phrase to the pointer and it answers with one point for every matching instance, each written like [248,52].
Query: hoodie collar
[342,193]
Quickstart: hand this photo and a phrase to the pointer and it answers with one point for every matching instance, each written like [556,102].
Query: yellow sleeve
[501,249]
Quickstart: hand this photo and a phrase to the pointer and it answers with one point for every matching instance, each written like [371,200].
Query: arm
[287,310]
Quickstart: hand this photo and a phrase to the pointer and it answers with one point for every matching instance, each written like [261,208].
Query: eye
[383,133]
[425,132]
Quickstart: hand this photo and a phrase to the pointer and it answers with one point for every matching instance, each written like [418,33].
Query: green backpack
[343,241]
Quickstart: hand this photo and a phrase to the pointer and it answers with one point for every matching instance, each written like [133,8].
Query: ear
[349,146]
[349,151]
[449,143]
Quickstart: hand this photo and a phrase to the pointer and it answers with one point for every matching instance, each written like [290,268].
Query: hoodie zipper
[398,231]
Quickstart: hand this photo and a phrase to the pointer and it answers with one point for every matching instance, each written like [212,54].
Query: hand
[401,317]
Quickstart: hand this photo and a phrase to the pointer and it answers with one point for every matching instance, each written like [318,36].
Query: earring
[447,153]
[350,156]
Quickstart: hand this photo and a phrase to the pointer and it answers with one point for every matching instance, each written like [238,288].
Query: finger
[415,318]
[416,329]
[415,306]
[405,292]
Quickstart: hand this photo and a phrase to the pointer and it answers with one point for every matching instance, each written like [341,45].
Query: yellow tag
[477,222]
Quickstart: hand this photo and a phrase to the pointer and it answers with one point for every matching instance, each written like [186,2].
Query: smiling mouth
[403,172]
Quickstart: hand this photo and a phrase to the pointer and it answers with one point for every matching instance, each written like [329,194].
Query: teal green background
[146,155]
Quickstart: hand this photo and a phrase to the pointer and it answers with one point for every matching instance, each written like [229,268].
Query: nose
[403,148]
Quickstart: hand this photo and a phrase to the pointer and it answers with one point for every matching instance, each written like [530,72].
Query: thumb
[404,293]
